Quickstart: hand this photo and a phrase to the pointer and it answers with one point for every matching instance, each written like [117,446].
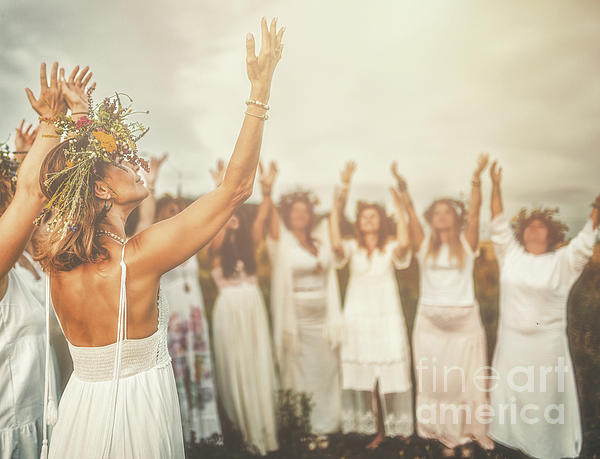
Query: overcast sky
[429,84]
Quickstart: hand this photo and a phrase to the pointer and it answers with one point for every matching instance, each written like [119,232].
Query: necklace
[113,236]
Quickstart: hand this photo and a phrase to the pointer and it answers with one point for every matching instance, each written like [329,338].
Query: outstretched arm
[334,225]
[148,205]
[415,230]
[496,176]
[402,232]
[472,229]
[16,224]
[266,207]
[170,242]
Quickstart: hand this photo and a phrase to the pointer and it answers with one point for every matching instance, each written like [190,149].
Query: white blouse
[443,282]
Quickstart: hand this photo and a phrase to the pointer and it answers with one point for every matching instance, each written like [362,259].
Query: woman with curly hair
[376,382]
[244,369]
[121,400]
[535,401]
[449,342]
[305,303]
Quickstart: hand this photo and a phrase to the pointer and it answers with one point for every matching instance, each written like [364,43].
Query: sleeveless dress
[244,359]
[449,350]
[22,349]
[121,400]
[189,347]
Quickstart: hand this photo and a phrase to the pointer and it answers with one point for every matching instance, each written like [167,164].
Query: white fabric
[306,308]
[244,369]
[532,334]
[121,400]
[22,352]
[285,330]
[376,346]
[189,341]
[442,280]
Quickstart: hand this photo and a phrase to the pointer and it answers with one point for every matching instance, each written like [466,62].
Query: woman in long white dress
[22,350]
[244,368]
[305,304]
[534,400]
[449,342]
[121,400]
[376,381]
[189,342]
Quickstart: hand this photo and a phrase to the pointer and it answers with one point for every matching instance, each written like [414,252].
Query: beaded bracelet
[264,117]
[258,104]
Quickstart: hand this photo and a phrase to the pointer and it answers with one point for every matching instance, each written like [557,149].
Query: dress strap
[50,409]
[121,336]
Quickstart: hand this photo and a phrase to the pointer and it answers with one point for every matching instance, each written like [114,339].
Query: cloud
[429,84]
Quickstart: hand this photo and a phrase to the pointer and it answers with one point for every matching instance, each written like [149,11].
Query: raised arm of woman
[472,229]
[168,243]
[496,202]
[402,232]
[335,232]
[148,205]
[266,207]
[16,224]
[415,230]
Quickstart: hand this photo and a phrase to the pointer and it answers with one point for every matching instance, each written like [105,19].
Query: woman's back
[86,299]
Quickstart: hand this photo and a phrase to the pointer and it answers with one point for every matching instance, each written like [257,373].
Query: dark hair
[384,229]
[167,199]
[556,228]
[457,250]
[287,201]
[238,245]
[78,245]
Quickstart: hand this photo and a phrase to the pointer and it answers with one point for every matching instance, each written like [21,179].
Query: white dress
[243,359]
[189,348]
[376,345]
[304,290]
[121,400]
[22,350]
[535,399]
[449,349]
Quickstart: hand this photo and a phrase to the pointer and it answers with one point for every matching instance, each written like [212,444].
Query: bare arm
[472,229]
[402,232]
[266,207]
[168,243]
[496,203]
[148,205]
[16,224]
[334,226]
[415,230]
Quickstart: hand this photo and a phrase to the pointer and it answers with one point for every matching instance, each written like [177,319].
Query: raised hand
[51,102]
[24,137]
[399,179]
[495,173]
[261,68]
[267,179]
[75,93]
[219,172]
[348,172]
[482,162]
[398,202]
[155,163]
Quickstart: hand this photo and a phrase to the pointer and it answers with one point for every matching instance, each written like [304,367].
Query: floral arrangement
[106,134]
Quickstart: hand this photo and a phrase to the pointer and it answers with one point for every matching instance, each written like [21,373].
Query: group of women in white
[142,378]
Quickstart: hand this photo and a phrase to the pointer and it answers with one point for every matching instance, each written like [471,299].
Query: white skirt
[147,419]
[245,374]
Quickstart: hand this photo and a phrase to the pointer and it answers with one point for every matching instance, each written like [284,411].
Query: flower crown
[8,165]
[286,200]
[458,206]
[557,229]
[106,135]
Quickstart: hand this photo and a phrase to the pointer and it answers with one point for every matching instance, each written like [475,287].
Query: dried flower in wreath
[105,135]
[557,229]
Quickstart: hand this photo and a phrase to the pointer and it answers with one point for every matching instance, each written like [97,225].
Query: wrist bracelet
[264,117]
[476,182]
[257,103]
